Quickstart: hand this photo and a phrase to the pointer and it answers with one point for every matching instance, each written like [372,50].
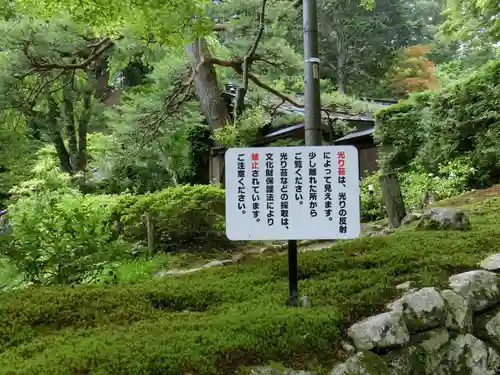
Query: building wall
[368,161]
[368,155]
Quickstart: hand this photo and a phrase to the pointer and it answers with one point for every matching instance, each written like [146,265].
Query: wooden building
[363,140]
[361,137]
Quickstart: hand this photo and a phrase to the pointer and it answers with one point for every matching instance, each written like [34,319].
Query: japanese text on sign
[292,193]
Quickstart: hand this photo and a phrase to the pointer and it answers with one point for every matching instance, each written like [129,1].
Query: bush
[398,130]
[185,217]
[451,178]
[372,203]
[432,129]
[62,236]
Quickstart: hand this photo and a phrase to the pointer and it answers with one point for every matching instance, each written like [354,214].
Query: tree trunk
[341,61]
[150,230]
[57,140]
[211,100]
[69,114]
[83,128]
[101,75]
[394,203]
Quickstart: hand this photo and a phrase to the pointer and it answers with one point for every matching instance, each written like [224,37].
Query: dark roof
[356,134]
[283,130]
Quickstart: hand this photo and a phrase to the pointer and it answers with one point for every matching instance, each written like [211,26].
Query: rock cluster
[433,332]
[428,331]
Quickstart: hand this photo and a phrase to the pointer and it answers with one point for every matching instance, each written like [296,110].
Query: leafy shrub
[185,217]
[60,236]
[398,130]
[432,129]
[451,178]
[246,129]
[372,203]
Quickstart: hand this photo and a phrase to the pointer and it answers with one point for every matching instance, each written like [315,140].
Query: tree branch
[220,27]
[97,49]
[247,61]
[275,92]
[171,104]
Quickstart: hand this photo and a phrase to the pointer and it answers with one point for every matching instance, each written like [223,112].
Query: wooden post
[150,229]
[394,203]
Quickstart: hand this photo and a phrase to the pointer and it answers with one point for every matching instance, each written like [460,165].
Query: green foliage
[347,25]
[214,321]
[372,202]
[245,129]
[173,22]
[9,274]
[185,217]
[397,130]
[434,128]
[349,104]
[16,159]
[474,19]
[450,179]
[59,235]
[122,168]
[62,237]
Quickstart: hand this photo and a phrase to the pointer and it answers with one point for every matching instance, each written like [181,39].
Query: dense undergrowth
[431,129]
[217,320]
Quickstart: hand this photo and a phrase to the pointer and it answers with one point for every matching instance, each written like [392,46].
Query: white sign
[292,193]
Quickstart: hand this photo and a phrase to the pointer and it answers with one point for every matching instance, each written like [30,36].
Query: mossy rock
[444,219]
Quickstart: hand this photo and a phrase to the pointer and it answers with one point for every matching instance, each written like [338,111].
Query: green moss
[217,320]
[373,364]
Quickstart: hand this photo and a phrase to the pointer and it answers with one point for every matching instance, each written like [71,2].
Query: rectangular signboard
[292,193]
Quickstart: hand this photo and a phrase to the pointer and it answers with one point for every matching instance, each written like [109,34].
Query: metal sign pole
[292,272]
[312,128]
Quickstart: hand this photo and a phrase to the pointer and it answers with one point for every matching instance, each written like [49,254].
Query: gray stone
[429,349]
[238,258]
[218,263]
[421,357]
[406,286]
[380,331]
[444,218]
[479,288]
[348,348]
[421,310]
[491,263]
[399,361]
[429,197]
[432,341]
[363,363]
[410,218]
[467,354]
[459,314]
[387,231]
[492,330]
[305,302]
[383,232]
[268,370]
[160,274]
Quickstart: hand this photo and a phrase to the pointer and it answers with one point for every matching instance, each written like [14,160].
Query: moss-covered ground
[217,320]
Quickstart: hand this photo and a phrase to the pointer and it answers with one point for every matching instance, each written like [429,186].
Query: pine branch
[247,61]
[97,50]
